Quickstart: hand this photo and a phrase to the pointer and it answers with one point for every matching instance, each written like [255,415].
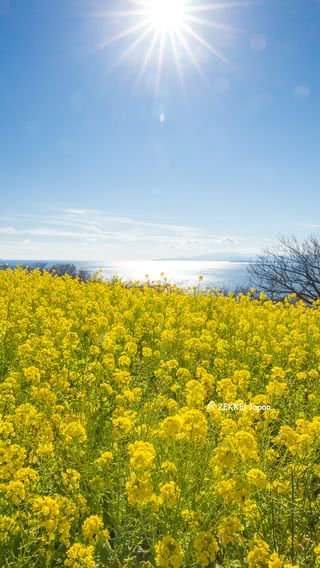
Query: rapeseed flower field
[147,426]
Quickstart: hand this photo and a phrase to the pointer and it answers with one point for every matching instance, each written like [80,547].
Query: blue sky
[95,165]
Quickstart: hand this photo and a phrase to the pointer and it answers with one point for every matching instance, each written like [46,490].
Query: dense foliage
[142,426]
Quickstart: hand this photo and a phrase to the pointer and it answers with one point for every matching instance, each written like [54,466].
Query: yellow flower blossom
[169,553]
[163,413]
[139,489]
[92,528]
[73,432]
[194,393]
[142,455]
[169,494]
[259,553]
[230,530]
[257,478]
[105,458]
[205,547]
[80,556]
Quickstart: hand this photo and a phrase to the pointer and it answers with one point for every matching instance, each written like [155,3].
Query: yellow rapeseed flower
[169,553]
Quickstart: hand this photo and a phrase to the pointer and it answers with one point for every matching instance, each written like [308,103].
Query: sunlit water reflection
[181,272]
[185,273]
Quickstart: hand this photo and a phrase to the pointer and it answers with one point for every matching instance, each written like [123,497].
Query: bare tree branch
[290,267]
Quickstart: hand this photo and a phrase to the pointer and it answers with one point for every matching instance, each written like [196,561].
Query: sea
[229,275]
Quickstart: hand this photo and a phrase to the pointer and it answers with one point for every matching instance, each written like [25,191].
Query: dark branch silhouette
[59,269]
[291,267]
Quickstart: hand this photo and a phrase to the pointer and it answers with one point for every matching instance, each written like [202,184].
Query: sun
[166,16]
[172,31]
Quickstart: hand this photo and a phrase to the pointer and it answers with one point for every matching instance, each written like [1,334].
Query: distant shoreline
[200,260]
[46,261]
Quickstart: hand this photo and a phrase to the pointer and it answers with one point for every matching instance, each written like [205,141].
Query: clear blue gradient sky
[94,165]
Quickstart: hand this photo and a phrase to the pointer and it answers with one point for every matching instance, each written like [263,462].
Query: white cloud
[302,91]
[75,233]
[7,231]
[230,240]
[80,212]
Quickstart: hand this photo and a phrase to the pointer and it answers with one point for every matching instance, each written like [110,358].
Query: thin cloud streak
[102,228]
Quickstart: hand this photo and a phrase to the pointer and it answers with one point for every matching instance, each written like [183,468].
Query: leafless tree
[290,267]
[71,270]
[59,269]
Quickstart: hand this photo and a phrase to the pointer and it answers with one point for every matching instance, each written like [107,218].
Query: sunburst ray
[124,34]
[187,49]
[218,6]
[188,29]
[139,2]
[180,24]
[147,58]
[177,61]
[120,14]
[212,24]
[160,61]
[134,44]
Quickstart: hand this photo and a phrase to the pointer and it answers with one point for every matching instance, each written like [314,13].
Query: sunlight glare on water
[183,273]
